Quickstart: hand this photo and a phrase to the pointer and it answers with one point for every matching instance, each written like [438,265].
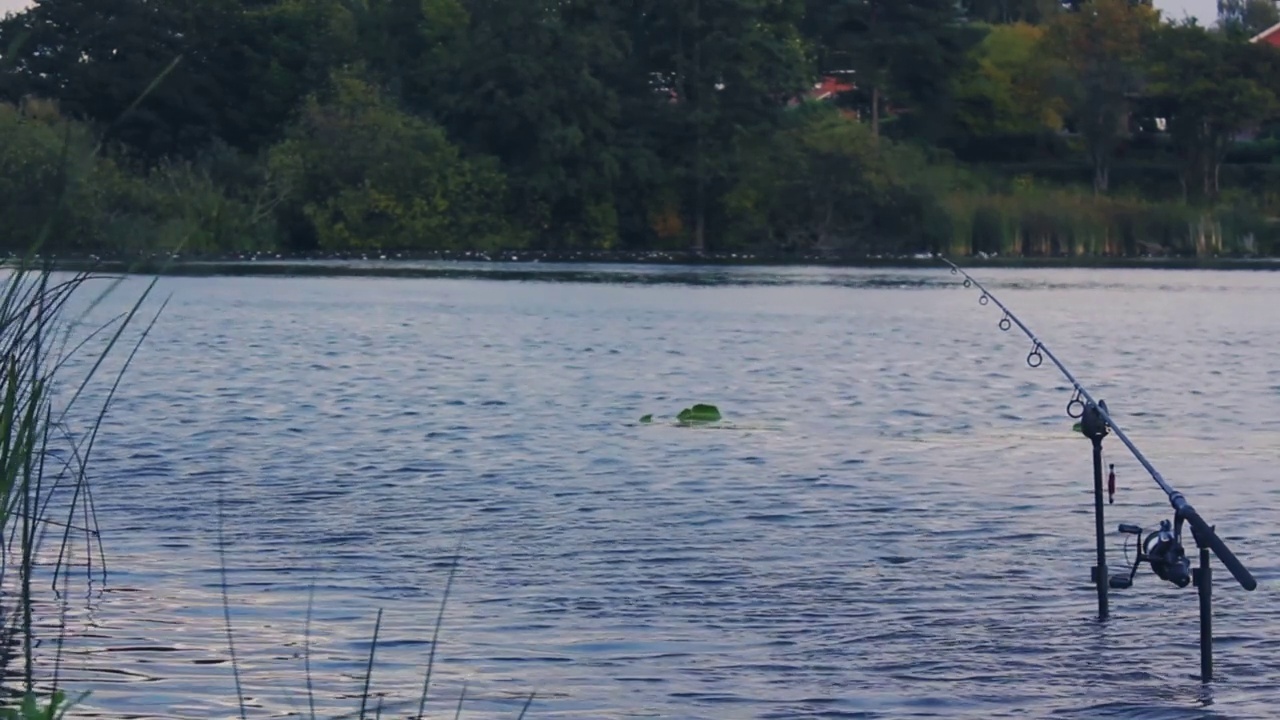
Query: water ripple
[898,525]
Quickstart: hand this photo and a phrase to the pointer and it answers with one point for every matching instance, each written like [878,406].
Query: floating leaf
[647,418]
[699,413]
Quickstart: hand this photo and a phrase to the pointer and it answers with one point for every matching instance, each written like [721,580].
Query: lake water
[897,524]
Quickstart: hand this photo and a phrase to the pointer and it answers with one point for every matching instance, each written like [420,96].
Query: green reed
[42,457]
[1041,222]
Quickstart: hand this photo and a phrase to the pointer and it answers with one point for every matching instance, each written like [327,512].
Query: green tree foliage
[414,47]
[1010,11]
[294,45]
[1011,87]
[1101,46]
[723,69]
[51,179]
[537,88]
[361,174]
[824,185]
[1198,84]
[44,158]
[229,127]
[905,54]
[209,69]
[216,204]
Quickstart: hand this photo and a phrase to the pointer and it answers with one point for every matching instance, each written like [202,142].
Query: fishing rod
[1162,549]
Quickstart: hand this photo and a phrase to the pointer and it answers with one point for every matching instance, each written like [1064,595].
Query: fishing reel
[1161,549]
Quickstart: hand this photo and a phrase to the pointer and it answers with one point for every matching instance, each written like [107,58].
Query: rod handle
[1204,532]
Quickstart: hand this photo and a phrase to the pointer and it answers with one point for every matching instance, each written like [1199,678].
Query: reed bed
[46,497]
[1072,223]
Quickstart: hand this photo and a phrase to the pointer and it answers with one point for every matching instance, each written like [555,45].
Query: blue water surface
[897,522]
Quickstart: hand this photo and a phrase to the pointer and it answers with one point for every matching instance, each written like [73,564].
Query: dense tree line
[839,127]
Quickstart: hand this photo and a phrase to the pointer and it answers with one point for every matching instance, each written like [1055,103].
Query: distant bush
[50,174]
[824,185]
[47,177]
[363,175]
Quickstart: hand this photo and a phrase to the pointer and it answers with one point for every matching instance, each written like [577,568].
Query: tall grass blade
[527,703]
[306,650]
[102,356]
[368,671]
[82,483]
[462,698]
[435,633]
[226,611]
[62,623]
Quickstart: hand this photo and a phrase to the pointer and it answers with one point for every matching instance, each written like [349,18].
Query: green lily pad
[647,418]
[699,413]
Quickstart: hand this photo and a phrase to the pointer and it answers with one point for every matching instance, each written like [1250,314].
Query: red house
[1270,36]
[829,87]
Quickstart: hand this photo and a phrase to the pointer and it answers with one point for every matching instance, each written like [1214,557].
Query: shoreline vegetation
[796,130]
